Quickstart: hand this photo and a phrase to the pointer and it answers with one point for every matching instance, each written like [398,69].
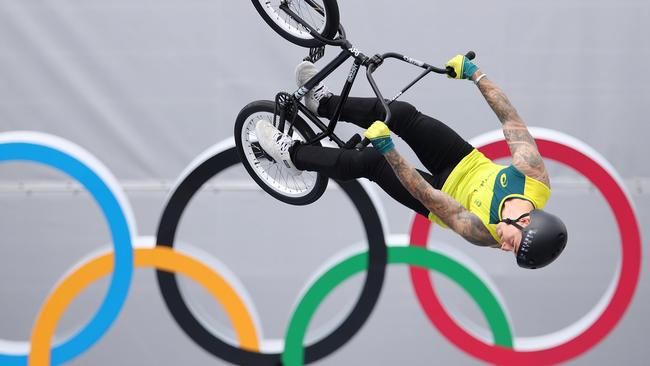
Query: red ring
[629,275]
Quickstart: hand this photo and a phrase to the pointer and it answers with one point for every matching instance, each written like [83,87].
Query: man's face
[510,235]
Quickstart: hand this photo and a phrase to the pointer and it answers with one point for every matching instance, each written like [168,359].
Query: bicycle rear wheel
[267,173]
[322,15]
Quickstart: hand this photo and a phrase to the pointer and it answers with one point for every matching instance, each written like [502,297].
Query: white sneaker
[305,71]
[276,144]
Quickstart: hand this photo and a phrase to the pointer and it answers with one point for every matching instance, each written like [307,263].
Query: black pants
[438,147]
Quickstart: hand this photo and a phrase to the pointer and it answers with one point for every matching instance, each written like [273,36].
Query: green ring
[293,354]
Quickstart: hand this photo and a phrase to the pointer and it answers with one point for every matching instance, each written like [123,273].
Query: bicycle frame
[371,64]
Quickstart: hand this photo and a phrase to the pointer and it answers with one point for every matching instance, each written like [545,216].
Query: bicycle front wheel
[270,175]
[322,15]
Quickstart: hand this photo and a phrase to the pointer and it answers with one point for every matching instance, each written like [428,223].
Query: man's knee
[403,116]
[403,111]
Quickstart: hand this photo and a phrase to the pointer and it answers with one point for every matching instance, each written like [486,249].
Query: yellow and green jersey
[482,186]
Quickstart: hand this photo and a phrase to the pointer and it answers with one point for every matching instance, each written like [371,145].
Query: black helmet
[542,240]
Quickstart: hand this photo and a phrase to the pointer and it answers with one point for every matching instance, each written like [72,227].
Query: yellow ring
[162,258]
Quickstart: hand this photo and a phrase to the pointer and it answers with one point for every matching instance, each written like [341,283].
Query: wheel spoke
[310,11]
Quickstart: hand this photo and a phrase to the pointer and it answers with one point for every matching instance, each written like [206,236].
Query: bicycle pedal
[352,142]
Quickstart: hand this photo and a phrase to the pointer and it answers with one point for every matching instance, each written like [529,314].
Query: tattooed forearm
[452,213]
[470,227]
[498,101]
[411,179]
[523,148]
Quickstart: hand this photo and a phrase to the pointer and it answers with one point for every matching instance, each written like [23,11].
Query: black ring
[377,257]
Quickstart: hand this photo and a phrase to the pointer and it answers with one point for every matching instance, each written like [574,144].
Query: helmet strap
[514,222]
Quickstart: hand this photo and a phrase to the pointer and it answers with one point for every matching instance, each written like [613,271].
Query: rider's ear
[506,247]
[525,220]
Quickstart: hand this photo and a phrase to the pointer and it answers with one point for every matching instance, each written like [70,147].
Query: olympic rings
[160,257]
[80,165]
[592,328]
[208,165]
[420,257]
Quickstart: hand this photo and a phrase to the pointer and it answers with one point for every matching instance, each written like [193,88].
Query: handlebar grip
[450,70]
[360,146]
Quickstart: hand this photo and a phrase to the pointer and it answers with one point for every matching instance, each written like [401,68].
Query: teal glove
[379,136]
[463,67]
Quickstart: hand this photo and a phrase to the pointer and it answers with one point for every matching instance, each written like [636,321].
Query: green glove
[379,136]
[463,67]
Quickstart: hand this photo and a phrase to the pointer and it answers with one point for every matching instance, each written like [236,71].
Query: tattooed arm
[525,155]
[452,213]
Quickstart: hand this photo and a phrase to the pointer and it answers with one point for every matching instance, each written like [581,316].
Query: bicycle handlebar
[428,68]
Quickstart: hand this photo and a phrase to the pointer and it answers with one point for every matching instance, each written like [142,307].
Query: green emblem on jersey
[507,182]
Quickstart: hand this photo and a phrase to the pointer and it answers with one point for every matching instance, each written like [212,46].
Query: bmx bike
[313,24]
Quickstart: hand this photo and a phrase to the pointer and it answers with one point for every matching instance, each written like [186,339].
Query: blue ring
[123,250]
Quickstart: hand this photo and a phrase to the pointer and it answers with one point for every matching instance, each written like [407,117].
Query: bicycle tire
[290,31]
[299,191]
